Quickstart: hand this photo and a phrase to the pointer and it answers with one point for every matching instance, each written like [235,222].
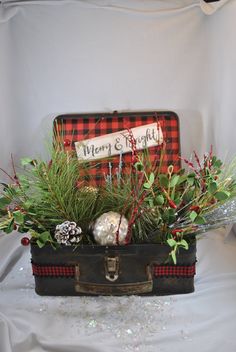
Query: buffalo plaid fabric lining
[74,128]
[53,270]
[69,271]
[174,270]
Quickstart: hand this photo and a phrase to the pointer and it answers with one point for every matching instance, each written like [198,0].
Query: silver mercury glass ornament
[106,226]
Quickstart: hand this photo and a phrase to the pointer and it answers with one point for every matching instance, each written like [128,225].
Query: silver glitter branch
[221,216]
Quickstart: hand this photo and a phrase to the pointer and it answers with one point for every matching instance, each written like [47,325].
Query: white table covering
[203,321]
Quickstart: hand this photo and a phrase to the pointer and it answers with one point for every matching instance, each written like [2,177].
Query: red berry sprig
[169,200]
[195,208]
[25,241]
[132,142]
[67,143]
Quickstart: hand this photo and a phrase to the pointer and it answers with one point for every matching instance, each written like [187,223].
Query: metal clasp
[111,268]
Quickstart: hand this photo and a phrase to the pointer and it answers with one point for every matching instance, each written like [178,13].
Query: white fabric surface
[147,6]
[202,321]
[79,58]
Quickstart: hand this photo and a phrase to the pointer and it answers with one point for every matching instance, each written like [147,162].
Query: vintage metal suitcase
[115,270]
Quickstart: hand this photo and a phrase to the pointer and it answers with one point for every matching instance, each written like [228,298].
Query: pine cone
[89,189]
[68,233]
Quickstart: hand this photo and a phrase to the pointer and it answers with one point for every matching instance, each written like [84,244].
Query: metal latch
[111,268]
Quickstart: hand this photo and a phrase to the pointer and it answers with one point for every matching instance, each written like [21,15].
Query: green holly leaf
[34,234]
[160,200]
[200,220]
[40,244]
[19,217]
[173,256]
[191,180]
[212,187]
[223,195]
[184,244]
[174,180]
[193,215]
[163,180]
[182,179]
[151,178]
[171,242]
[43,238]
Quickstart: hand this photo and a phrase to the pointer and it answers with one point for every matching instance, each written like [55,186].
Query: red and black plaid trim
[174,270]
[53,270]
[76,128]
[69,271]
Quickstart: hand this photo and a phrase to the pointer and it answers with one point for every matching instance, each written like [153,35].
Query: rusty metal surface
[90,277]
[114,289]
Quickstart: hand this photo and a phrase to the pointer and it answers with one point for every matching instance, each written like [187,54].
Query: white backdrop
[82,57]
[86,56]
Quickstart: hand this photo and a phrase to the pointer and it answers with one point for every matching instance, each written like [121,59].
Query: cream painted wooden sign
[119,142]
